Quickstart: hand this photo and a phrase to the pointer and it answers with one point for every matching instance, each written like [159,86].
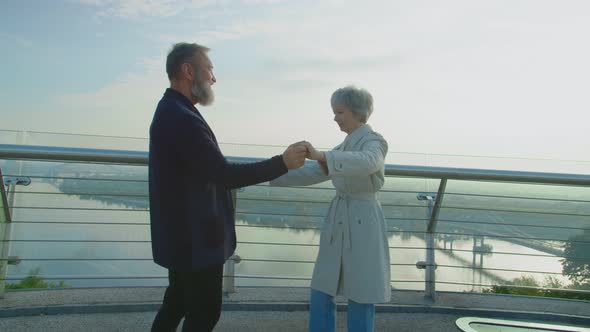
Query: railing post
[434,203]
[229,270]
[4,231]
[229,279]
[7,202]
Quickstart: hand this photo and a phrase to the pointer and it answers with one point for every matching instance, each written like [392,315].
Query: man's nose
[213,78]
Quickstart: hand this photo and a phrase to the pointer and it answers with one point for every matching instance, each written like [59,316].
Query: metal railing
[47,153]
[419,223]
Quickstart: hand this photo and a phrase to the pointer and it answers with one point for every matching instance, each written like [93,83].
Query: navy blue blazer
[190,181]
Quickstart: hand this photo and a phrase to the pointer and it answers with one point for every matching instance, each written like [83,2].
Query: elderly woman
[353,258]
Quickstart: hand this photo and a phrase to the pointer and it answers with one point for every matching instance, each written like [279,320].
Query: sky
[504,78]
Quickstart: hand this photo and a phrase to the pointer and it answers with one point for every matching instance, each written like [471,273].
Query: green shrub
[527,285]
[35,281]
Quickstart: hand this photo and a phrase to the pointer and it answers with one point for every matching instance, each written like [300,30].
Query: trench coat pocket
[326,236]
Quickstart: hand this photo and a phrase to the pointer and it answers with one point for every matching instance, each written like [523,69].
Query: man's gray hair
[358,101]
[182,53]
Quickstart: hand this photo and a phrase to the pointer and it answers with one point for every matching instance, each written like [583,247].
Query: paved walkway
[243,321]
[268,309]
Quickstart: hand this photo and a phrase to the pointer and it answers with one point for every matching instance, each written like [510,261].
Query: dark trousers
[194,295]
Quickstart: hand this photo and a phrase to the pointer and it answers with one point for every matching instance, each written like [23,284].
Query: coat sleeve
[370,159]
[309,174]
[201,154]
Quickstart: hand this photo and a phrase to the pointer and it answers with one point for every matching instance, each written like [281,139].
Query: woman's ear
[360,118]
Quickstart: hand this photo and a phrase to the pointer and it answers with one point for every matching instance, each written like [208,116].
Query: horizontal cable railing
[302,228]
[480,226]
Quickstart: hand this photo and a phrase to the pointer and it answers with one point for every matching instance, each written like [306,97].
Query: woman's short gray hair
[358,101]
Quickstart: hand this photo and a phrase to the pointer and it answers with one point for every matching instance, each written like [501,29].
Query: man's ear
[187,71]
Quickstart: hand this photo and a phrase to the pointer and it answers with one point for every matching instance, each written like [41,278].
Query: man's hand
[294,155]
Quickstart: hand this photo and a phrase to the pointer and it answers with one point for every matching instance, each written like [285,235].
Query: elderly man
[191,209]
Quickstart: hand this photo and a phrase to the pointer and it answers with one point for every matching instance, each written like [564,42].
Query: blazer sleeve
[201,153]
[370,159]
[309,174]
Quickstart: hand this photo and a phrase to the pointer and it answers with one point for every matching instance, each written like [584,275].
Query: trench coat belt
[345,198]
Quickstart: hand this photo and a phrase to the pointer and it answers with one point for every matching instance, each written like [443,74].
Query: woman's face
[346,120]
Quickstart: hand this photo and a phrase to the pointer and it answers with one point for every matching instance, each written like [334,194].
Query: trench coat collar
[353,138]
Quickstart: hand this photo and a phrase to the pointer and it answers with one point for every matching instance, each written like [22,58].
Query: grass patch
[527,285]
[35,281]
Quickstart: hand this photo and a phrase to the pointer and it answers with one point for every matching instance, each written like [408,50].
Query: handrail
[475,174]
[34,152]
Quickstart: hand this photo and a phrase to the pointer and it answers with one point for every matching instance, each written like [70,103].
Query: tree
[576,261]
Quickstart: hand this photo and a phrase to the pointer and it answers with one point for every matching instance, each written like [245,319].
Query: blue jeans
[322,314]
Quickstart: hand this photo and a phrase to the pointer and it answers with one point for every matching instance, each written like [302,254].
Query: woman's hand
[312,153]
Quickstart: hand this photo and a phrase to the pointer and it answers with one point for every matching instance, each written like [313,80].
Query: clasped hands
[295,155]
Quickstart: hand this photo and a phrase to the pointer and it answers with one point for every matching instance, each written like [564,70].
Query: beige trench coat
[353,258]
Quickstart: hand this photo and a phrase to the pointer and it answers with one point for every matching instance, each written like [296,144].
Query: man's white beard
[203,92]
